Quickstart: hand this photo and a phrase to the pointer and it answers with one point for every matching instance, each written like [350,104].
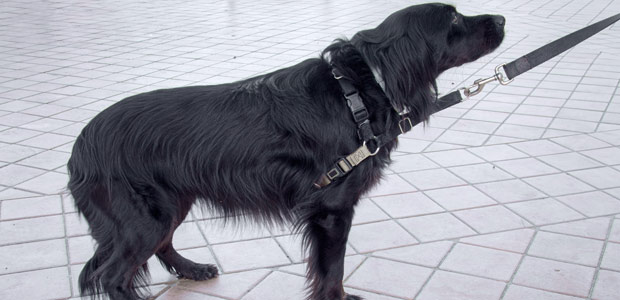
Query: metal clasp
[500,75]
[479,84]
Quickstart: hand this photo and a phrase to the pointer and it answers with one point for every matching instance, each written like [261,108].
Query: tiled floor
[512,195]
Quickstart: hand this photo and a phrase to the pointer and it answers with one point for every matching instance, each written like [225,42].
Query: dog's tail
[90,278]
[93,275]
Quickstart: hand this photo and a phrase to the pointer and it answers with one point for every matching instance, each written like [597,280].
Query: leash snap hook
[478,85]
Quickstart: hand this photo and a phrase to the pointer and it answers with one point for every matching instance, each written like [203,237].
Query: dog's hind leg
[129,225]
[179,265]
[326,234]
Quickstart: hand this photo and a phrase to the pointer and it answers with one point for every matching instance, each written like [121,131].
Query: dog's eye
[455,18]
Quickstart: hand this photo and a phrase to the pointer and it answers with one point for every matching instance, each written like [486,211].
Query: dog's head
[414,45]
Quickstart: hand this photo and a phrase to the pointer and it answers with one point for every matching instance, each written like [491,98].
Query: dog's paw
[352,297]
[198,272]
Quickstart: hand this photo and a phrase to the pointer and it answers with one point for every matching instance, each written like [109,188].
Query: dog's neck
[381,82]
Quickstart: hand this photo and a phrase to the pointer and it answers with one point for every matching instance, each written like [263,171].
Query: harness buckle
[408,125]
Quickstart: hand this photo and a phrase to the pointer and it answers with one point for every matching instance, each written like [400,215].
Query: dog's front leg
[326,233]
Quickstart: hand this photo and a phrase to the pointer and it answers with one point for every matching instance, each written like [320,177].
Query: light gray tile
[483,262]
[380,235]
[480,173]
[566,248]
[436,227]
[432,179]
[385,277]
[544,211]
[558,184]
[555,276]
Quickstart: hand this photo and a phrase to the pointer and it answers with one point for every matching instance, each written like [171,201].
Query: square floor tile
[47,140]
[288,287]
[480,173]
[516,292]
[13,153]
[614,235]
[436,227]
[33,256]
[608,156]
[544,211]
[601,178]
[558,184]
[16,286]
[589,228]
[519,131]
[187,235]
[81,249]
[611,137]
[386,277]
[30,207]
[510,191]
[48,183]
[391,184]
[606,287]
[407,205]
[250,255]
[451,286]
[540,147]
[14,135]
[460,197]
[76,224]
[514,240]
[367,211]
[526,167]
[497,152]
[491,219]
[566,248]
[432,179]
[569,161]
[452,158]
[25,230]
[555,276]
[230,286]
[411,162]
[580,142]
[381,235]
[611,258]
[428,254]
[592,204]
[48,160]
[481,261]
[14,174]
[176,293]
[463,138]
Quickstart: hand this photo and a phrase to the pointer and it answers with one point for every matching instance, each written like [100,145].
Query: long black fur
[253,149]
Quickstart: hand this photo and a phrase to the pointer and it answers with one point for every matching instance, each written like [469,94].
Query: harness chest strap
[344,165]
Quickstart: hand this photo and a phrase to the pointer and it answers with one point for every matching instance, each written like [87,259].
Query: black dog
[254,149]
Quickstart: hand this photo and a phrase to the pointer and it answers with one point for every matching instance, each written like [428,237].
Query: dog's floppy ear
[400,53]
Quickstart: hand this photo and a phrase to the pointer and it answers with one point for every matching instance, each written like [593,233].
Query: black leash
[513,69]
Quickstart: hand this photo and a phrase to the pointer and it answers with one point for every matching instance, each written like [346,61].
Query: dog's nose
[499,20]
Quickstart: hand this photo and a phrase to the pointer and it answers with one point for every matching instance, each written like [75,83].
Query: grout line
[616,89]
[523,255]
[434,270]
[601,256]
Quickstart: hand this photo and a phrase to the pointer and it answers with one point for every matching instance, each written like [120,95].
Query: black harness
[371,144]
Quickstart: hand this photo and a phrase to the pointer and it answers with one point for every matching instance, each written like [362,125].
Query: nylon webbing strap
[544,53]
[344,165]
